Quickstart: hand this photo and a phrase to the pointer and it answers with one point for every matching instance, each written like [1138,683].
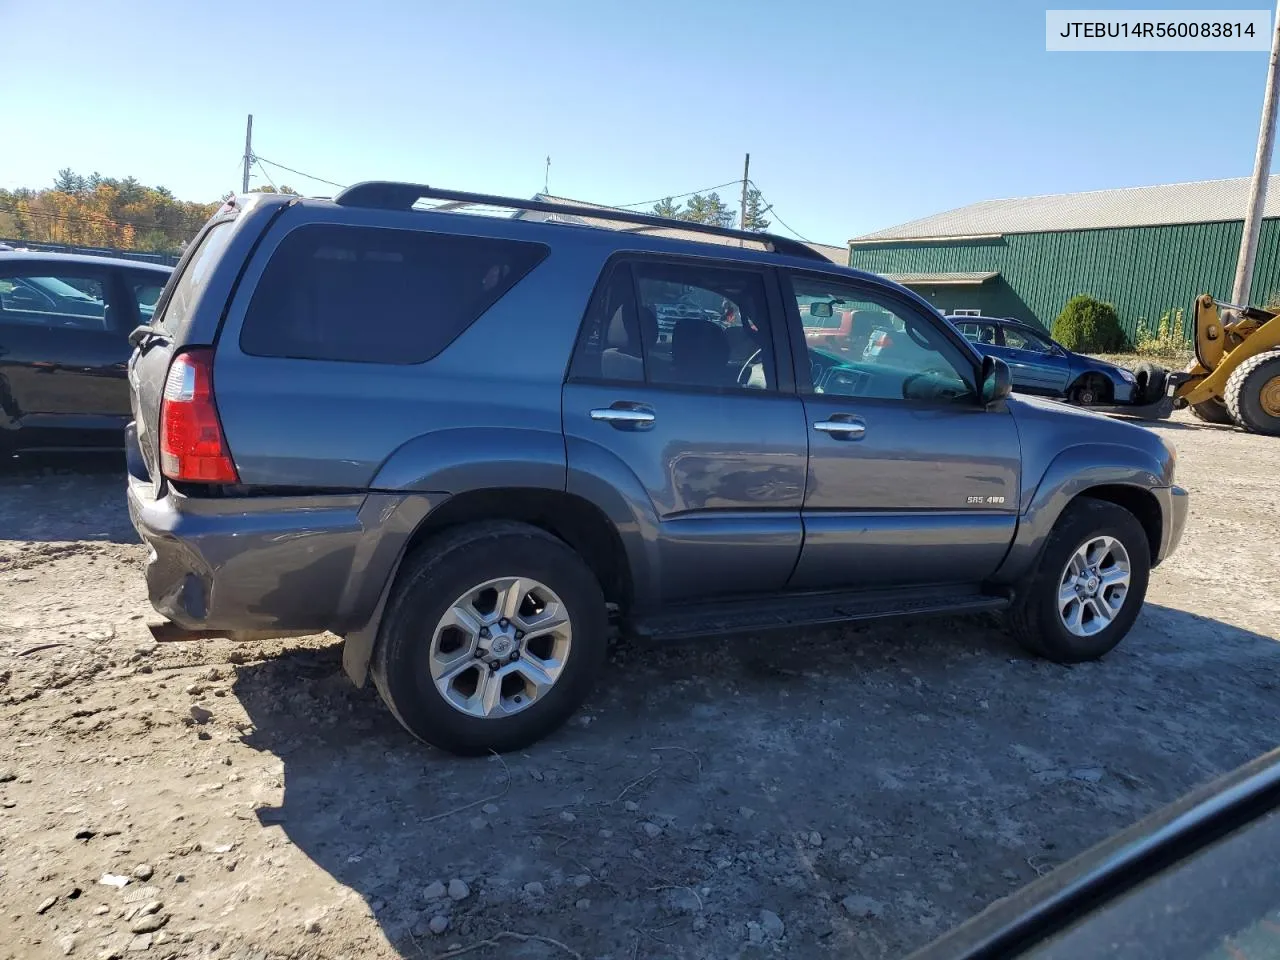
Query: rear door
[702,430]
[911,480]
[1034,361]
[63,353]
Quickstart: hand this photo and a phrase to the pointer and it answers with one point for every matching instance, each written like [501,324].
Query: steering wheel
[918,337]
[744,375]
[937,391]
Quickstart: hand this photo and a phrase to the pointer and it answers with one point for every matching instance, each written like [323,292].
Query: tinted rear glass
[376,295]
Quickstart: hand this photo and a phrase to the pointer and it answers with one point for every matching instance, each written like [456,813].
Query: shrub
[1166,341]
[1089,325]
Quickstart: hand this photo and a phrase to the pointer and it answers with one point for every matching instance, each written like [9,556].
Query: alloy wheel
[500,647]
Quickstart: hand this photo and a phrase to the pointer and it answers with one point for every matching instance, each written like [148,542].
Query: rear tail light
[192,445]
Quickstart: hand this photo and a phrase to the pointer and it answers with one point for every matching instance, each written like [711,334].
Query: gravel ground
[845,793]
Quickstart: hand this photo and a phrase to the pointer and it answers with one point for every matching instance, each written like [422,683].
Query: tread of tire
[1235,384]
[430,560]
[1212,411]
[1020,617]
[440,546]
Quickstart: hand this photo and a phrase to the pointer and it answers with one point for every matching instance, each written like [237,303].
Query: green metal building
[1147,250]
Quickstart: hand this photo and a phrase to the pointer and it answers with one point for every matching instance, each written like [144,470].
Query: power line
[72,218]
[281,166]
[678,196]
[266,176]
[777,216]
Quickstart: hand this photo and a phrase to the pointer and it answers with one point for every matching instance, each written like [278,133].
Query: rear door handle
[847,429]
[624,416]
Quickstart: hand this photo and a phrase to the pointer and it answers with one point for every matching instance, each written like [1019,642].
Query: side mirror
[997,382]
[820,308]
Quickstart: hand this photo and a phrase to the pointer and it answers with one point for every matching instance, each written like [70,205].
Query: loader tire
[1253,394]
[1212,410]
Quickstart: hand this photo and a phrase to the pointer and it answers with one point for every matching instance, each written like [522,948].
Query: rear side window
[194,275]
[377,295]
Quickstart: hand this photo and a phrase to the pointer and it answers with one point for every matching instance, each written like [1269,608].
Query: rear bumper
[288,564]
[1173,508]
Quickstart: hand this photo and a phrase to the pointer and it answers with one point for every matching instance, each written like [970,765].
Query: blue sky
[857,114]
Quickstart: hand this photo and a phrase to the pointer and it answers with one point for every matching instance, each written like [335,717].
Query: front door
[693,427]
[63,354]
[911,480]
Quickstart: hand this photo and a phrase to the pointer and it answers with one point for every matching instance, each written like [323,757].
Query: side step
[804,610]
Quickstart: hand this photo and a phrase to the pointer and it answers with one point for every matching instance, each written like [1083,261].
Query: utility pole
[546,177]
[1261,173]
[742,214]
[248,154]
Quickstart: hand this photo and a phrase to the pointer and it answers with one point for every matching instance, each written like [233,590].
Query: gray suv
[463,443]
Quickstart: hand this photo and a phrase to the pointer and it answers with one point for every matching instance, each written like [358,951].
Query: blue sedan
[1042,366]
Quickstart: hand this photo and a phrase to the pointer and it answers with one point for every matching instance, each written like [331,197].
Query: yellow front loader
[1235,377]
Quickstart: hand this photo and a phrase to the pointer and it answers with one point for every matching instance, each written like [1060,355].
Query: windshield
[56,288]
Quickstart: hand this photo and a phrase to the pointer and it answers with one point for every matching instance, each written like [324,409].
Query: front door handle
[625,416]
[848,429]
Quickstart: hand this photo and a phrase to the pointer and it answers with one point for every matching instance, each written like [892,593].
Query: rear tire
[1212,411]
[504,697]
[1253,394]
[1037,618]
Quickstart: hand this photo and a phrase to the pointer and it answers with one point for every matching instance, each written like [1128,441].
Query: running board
[804,610]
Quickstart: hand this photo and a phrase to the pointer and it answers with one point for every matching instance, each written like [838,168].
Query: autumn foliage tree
[100,211]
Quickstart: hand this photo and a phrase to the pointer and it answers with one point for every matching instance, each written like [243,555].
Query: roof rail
[394,195]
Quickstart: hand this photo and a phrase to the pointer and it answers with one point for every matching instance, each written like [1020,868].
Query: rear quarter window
[377,295]
[193,275]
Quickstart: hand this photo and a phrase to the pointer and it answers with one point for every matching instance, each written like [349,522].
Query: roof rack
[394,195]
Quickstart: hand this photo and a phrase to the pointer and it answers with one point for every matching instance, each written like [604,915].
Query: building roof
[974,278]
[1202,201]
[835,254]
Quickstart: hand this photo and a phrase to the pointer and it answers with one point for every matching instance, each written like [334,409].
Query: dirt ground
[845,793]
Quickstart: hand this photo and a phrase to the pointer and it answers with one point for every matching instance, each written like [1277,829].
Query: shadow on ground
[64,497]
[928,767]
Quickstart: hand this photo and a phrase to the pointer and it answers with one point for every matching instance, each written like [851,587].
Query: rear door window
[45,296]
[146,291]
[1020,338]
[977,332]
[377,295]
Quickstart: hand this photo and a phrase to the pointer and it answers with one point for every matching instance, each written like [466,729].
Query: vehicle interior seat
[620,359]
[700,353]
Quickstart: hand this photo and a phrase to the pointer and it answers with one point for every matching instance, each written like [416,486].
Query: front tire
[1089,390]
[1253,394]
[1089,585]
[493,636]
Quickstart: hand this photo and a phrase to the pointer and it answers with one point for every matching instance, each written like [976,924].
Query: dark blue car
[1042,366]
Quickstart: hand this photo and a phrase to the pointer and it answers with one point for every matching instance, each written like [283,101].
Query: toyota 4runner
[461,442]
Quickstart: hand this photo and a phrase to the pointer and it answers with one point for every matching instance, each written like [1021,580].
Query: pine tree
[755,218]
